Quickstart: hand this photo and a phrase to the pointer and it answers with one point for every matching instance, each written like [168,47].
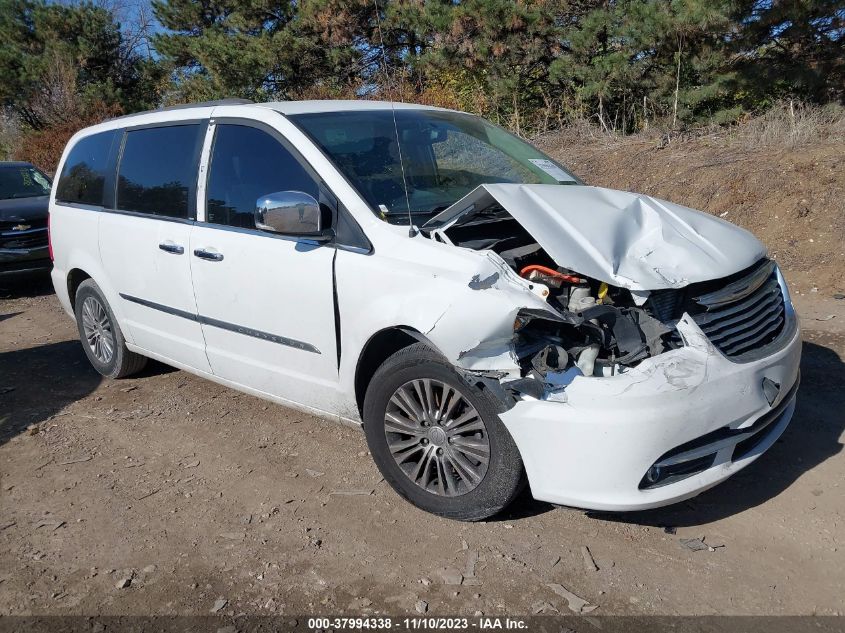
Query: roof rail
[184,106]
[205,104]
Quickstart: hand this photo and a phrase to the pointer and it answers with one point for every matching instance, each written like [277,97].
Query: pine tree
[255,49]
[791,48]
[503,48]
[58,62]
[668,55]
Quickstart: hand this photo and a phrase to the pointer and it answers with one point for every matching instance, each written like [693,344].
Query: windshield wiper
[436,210]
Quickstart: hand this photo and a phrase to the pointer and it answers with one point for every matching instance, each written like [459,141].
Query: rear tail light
[49,238]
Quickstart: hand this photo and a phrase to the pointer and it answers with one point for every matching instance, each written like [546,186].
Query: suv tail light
[49,238]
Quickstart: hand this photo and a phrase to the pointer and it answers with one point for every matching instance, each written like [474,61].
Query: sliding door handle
[171,247]
[211,256]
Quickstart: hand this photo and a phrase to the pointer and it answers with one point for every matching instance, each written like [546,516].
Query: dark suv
[24,198]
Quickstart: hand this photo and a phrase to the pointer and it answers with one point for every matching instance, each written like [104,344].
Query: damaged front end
[577,253]
[587,328]
[599,339]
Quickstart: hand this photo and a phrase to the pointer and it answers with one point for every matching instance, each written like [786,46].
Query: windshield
[445,156]
[22,181]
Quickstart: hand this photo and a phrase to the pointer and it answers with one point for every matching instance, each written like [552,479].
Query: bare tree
[58,100]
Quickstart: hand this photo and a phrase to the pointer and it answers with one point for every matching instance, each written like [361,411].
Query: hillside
[790,194]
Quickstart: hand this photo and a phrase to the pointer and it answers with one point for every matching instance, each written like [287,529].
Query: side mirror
[290,213]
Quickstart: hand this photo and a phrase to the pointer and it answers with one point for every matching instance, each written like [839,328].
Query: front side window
[22,181]
[246,164]
[444,156]
[84,173]
[158,170]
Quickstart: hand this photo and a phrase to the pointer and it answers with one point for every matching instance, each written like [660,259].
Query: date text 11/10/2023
[417,623]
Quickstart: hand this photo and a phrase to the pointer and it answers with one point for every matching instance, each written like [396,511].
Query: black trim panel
[265,336]
[161,308]
[224,325]
[336,306]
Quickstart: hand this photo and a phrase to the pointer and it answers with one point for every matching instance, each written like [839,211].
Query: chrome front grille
[665,304]
[745,315]
[22,235]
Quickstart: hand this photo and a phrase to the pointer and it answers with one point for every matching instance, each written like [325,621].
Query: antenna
[411,231]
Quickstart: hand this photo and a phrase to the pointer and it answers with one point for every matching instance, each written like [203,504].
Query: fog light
[653,475]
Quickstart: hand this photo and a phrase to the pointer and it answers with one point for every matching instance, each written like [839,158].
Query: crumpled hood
[628,240]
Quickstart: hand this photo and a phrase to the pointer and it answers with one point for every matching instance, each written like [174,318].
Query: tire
[105,346]
[449,437]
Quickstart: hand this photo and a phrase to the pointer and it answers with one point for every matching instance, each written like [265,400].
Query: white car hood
[625,239]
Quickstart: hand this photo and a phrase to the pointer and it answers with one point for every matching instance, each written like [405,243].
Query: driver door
[265,301]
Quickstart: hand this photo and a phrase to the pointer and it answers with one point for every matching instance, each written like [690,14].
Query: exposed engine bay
[600,329]
[594,328]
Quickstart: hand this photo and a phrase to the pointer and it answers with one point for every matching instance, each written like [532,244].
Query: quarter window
[84,173]
[158,170]
[246,164]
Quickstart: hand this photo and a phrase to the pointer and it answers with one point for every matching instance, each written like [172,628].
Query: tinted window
[247,164]
[158,170]
[84,172]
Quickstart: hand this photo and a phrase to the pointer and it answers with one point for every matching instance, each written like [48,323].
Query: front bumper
[593,447]
[24,261]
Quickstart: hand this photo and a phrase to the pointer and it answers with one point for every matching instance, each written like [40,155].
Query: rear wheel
[101,337]
[438,440]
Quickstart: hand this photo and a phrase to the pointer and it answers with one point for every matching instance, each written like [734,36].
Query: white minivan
[488,318]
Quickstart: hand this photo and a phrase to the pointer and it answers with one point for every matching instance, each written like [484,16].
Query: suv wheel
[438,440]
[101,337]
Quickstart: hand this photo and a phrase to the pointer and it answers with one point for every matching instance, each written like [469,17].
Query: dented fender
[464,304]
[498,294]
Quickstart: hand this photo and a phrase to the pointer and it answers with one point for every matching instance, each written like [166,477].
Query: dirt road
[168,494]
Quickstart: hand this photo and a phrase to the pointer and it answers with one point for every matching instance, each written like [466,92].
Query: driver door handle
[211,256]
[171,247]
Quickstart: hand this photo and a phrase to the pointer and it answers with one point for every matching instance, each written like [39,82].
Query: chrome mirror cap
[289,213]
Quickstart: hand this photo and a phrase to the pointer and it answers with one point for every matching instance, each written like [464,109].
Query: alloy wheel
[98,329]
[437,437]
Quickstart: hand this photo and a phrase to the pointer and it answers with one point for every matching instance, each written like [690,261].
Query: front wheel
[438,440]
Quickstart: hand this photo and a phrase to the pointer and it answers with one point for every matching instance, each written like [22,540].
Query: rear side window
[158,170]
[84,173]
[247,164]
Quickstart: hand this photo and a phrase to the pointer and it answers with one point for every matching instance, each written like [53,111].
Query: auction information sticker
[551,169]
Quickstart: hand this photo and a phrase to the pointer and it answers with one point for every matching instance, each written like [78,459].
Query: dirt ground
[167,494]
